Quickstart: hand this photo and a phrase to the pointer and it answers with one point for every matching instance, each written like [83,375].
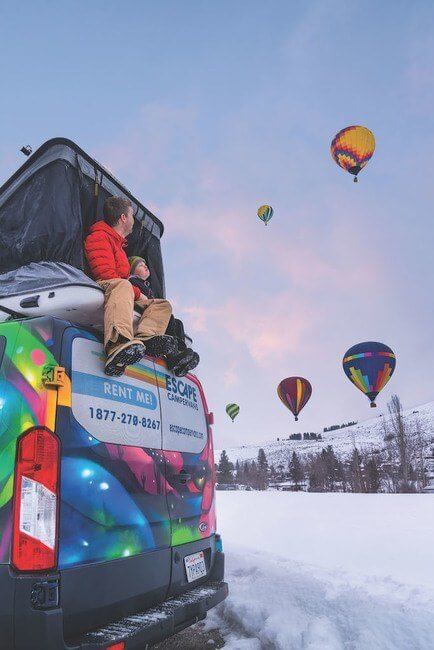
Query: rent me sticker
[124,410]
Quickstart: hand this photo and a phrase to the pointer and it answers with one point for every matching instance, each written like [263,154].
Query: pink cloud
[224,230]
[269,328]
[197,317]
[264,329]
[231,375]
[144,151]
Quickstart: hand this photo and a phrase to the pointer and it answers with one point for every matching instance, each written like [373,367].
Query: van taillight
[34,546]
[116,646]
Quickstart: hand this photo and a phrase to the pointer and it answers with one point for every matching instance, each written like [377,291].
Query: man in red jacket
[105,251]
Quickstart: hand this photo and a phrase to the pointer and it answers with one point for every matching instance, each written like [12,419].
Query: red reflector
[34,546]
[116,646]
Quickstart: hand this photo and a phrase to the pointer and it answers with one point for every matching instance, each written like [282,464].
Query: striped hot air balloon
[294,393]
[352,148]
[232,410]
[265,212]
[369,366]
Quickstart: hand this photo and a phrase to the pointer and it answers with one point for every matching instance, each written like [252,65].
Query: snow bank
[327,571]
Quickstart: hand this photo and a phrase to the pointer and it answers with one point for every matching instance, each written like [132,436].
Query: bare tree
[419,452]
[402,441]
[355,470]
[372,475]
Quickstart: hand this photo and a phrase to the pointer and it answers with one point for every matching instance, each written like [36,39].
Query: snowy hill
[368,435]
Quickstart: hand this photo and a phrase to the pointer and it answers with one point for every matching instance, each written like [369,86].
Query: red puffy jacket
[104,249]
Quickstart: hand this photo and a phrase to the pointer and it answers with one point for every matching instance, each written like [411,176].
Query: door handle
[183,477]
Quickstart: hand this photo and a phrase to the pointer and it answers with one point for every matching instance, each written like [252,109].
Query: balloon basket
[296,419]
[356,180]
[373,405]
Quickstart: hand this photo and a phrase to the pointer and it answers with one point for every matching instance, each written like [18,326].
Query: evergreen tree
[238,472]
[312,476]
[225,469]
[262,481]
[372,476]
[296,472]
[262,460]
[253,475]
[331,467]
[246,472]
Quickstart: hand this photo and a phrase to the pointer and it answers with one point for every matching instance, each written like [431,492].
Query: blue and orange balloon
[294,393]
[369,366]
[352,148]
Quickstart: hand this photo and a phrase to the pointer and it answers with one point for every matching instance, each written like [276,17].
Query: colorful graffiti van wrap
[137,468]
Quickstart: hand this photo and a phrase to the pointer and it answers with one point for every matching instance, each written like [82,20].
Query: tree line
[398,466]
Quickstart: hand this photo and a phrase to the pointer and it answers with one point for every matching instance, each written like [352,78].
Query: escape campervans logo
[181,392]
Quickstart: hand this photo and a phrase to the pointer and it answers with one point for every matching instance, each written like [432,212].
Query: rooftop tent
[48,205]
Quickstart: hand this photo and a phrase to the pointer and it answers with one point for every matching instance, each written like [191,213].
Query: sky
[206,111]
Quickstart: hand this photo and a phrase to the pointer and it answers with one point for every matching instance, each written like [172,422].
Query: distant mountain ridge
[367,435]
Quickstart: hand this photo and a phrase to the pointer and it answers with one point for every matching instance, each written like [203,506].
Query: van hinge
[53,376]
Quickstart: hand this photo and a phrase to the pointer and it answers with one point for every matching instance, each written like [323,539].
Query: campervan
[107,508]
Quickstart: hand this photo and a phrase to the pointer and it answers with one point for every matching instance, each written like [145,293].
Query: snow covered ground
[365,435]
[327,571]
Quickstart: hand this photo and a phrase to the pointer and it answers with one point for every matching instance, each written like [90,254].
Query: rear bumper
[149,627]
[26,624]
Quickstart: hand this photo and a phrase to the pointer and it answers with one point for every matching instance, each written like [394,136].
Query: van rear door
[188,449]
[114,551]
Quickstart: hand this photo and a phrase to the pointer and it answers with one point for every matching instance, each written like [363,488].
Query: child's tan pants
[118,313]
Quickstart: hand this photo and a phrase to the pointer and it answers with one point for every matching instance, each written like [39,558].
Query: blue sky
[207,110]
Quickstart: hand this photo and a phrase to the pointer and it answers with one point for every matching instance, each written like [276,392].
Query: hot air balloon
[265,212]
[294,392]
[352,148]
[232,410]
[369,366]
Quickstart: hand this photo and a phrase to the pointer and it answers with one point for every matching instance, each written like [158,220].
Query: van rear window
[145,407]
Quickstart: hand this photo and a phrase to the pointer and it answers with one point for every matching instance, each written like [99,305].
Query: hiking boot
[183,362]
[160,346]
[123,355]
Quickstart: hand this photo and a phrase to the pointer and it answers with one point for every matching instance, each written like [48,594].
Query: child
[184,360]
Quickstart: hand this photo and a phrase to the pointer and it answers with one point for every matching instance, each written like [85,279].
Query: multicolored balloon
[294,393]
[369,366]
[232,410]
[265,212]
[352,148]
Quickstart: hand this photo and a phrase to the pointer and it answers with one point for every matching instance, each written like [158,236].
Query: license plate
[195,566]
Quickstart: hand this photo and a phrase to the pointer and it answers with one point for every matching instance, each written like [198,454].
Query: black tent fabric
[48,205]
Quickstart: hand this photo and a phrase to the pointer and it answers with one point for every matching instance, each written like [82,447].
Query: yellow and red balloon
[352,148]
